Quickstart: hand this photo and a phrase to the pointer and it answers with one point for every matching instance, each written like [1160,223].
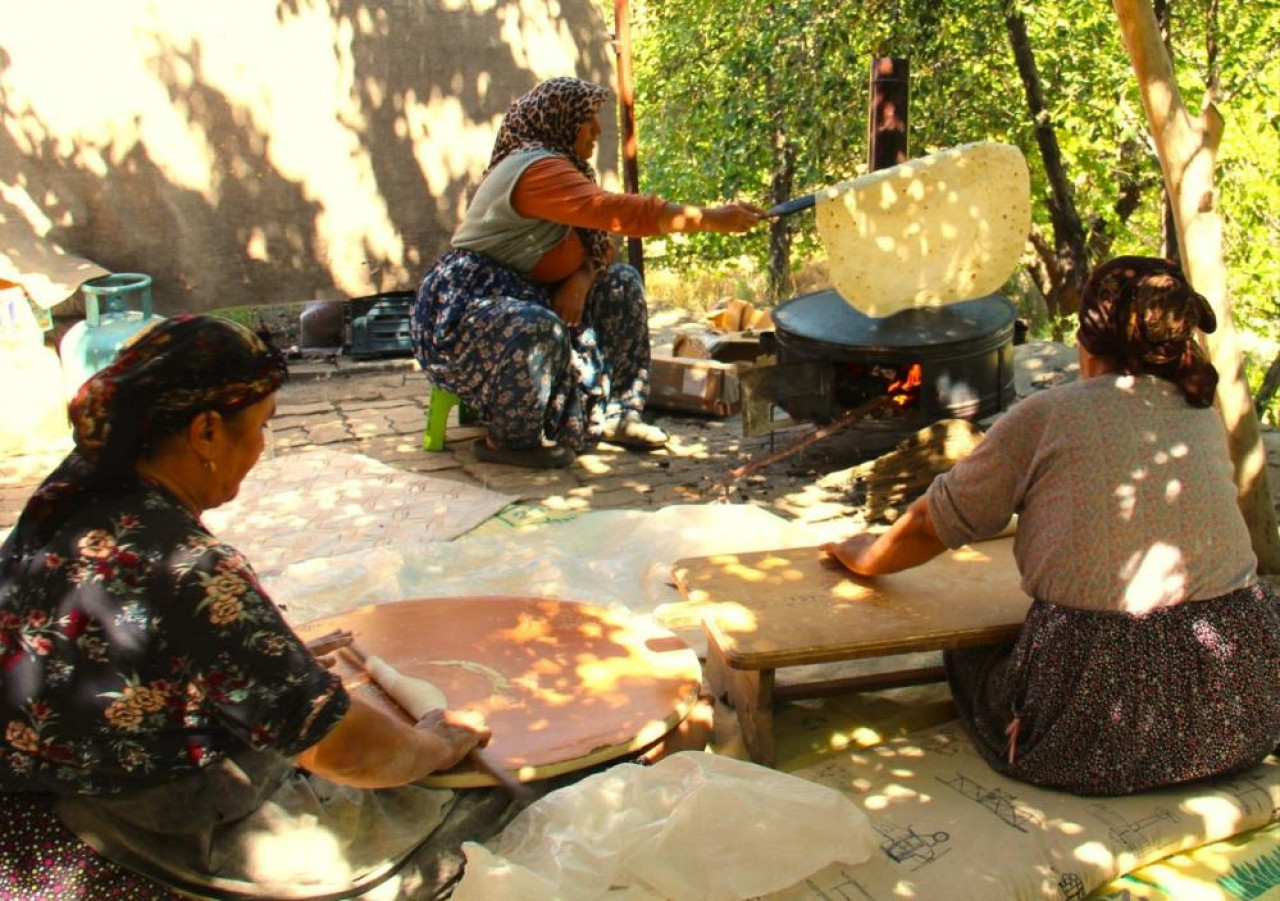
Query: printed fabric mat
[951,828]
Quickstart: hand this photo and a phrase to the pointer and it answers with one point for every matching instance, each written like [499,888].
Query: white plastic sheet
[694,827]
[606,557]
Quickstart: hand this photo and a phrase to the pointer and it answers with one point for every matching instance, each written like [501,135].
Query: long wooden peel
[477,756]
[795,205]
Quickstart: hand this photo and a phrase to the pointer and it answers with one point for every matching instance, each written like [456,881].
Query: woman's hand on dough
[460,730]
[851,552]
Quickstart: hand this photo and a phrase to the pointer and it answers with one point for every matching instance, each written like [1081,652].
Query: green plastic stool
[438,407]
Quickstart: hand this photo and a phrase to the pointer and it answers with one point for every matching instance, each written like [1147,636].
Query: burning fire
[905,387]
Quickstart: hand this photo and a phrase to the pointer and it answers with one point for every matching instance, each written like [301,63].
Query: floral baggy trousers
[489,335]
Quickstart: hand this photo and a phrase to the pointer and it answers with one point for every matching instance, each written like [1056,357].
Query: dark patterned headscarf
[1142,314]
[549,118]
[161,379]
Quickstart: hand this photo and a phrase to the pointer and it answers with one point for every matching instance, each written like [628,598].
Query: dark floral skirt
[43,860]
[488,334]
[1103,703]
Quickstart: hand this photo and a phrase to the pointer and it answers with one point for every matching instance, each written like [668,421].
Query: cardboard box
[738,315]
[693,385]
[723,347]
[737,347]
[693,342]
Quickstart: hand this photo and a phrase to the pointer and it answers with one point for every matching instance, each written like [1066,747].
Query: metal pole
[627,116]
[887,127]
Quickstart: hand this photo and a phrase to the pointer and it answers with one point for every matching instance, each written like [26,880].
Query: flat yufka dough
[940,229]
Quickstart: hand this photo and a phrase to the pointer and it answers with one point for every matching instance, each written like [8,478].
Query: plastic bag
[605,557]
[694,827]
[323,586]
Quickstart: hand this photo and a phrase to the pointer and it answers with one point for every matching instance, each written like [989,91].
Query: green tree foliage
[721,87]
[1248,64]
[719,98]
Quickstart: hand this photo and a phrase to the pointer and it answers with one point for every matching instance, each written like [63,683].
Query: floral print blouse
[135,647]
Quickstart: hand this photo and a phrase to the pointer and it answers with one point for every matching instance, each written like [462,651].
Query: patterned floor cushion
[951,829]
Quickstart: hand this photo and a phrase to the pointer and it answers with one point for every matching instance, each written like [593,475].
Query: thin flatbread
[940,229]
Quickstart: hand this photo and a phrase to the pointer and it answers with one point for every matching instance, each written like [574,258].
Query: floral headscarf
[549,117]
[1141,313]
[160,380]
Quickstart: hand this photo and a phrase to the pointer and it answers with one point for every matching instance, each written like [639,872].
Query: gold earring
[210,466]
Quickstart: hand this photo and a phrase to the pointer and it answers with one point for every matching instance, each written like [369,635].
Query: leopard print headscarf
[1142,314]
[549,117]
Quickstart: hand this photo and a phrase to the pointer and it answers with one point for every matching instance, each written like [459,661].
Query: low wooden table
[774,609]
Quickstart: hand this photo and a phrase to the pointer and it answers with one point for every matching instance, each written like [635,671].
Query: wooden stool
[438,406]
[774,609]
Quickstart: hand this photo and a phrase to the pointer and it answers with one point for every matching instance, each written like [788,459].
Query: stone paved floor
[380,413]
[376,409]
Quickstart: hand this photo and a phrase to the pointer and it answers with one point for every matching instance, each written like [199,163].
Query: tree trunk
[1070,247]
[1187,146]
[781,284]
[1168,225]
[1132,190]
[782,181]
[1270,384]
[1043,272]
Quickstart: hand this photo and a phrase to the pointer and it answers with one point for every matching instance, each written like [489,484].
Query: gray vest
[493,227]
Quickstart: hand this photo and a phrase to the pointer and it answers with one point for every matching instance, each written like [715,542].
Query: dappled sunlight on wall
[258,153]
[465,158]
[531,35]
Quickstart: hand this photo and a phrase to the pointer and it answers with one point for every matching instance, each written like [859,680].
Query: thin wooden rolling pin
[410,694]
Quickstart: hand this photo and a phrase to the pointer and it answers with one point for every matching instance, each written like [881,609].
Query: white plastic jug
[33,411]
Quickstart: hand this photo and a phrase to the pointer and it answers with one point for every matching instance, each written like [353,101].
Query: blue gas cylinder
[116,307]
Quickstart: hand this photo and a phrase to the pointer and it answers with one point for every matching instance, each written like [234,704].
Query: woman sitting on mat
[152,693]
[1151,653]
[527,319]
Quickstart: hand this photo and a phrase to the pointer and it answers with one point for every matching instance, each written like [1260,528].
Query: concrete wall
[267,151]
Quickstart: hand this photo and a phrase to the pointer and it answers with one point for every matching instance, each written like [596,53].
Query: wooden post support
[627,115]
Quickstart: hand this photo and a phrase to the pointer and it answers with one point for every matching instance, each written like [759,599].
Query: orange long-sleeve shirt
[553,189]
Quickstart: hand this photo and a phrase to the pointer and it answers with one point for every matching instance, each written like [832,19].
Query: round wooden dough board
[562,685]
